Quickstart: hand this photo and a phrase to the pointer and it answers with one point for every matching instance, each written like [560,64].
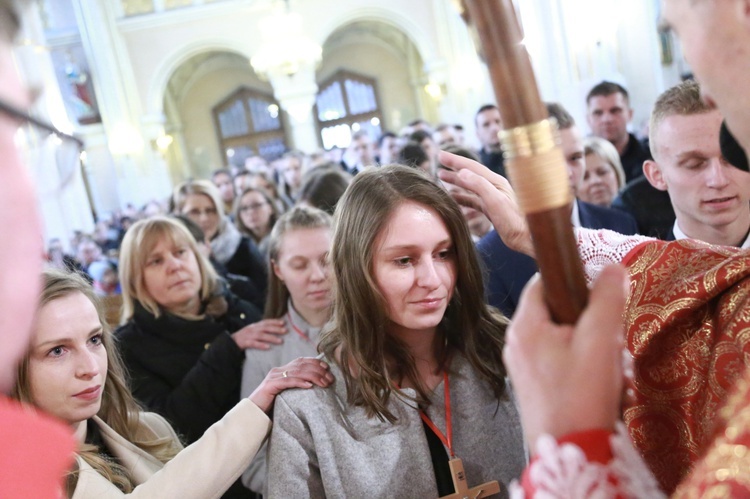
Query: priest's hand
[490,193]
[568,379]
[303,372]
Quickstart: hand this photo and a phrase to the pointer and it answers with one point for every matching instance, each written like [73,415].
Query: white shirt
[678,234]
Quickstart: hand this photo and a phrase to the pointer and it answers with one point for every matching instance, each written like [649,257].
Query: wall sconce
[125,140]
[163,142]
[435,90]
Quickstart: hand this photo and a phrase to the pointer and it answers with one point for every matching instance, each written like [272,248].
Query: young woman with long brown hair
[416,355]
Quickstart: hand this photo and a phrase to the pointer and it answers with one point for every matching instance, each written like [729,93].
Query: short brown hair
[684,99]
[607,88]
[564,118]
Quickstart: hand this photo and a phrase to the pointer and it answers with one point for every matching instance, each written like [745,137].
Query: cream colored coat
[203,470]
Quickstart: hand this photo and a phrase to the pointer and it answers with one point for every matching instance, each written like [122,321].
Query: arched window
[249,123]
[346,103]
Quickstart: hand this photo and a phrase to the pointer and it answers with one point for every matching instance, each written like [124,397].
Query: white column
[153,129]
[60,189]
[118,100]
[296,95]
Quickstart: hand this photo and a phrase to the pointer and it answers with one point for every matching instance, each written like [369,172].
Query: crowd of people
[312,327]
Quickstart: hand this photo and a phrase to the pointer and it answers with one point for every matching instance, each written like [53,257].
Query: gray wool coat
[322,447]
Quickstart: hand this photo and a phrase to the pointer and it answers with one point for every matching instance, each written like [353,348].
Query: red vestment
[688,318]
[688,329]
[35,453]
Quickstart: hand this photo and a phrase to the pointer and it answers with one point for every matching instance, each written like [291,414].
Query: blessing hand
[491,194]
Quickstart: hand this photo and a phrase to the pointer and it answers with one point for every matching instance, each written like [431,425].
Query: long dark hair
[357,338]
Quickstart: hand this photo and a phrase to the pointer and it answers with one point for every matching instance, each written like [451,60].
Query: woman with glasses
[255,215]
[185,334]
[200,201]
[73,372]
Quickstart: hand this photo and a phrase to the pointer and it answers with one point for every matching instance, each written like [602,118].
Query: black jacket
[492,160]
[247,261]
[187,371]
[651,208]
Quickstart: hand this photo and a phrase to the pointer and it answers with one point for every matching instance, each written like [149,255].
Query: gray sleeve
[252,374]
[254,477]
[293,469]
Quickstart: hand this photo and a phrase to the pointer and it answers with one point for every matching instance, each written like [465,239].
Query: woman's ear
[276,271]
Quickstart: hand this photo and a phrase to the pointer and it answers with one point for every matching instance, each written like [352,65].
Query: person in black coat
[184,332]
[200,201]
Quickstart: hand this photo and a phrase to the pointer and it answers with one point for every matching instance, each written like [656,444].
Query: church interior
[159,91]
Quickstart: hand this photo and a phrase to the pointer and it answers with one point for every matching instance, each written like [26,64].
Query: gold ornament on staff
[534,159]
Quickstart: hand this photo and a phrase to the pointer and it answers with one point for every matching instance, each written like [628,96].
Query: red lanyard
[296,329]
[447,441]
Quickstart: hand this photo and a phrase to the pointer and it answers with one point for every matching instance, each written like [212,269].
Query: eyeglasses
[252,207]
[41,143]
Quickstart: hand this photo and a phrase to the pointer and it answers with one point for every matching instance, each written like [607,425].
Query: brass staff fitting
[536,166]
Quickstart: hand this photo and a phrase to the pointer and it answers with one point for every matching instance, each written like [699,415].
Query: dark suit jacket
[508,271]
[650,207]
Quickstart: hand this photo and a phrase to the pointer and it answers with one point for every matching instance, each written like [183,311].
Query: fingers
[606,305]
[304,372]
[261,335]
[271,338]
[305,369]
[456,163]
[258,340]
[275,326]
[531,328]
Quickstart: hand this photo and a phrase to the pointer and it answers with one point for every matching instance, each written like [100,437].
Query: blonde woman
[184,335]
[299,293]
[73,372]
[604,176]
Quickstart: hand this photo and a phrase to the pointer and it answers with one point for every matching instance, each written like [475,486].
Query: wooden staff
[534,159]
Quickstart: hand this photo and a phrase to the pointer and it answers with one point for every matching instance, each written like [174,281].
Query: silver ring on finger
[285,374]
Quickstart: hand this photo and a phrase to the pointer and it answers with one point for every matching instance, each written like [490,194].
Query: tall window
[249,123]
[347,103]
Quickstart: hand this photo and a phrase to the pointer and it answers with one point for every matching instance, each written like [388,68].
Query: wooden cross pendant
[462,490]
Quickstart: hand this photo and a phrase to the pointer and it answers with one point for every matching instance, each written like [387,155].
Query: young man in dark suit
[509,271]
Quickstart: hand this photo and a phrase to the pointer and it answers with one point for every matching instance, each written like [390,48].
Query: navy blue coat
[508,271]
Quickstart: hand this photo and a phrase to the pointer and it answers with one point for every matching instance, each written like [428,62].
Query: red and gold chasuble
[688,320]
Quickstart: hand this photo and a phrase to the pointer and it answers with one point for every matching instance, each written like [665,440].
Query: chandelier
[285,49]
